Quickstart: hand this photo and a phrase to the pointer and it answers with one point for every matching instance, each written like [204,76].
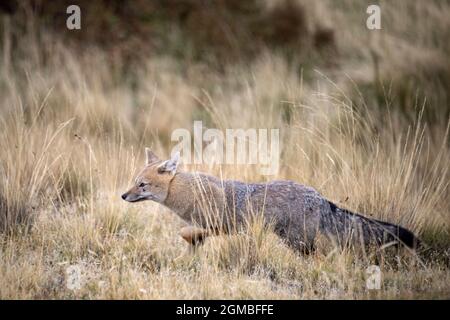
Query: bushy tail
[398,233]
[344,224]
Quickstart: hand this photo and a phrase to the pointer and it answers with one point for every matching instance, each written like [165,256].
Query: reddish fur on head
[153,182]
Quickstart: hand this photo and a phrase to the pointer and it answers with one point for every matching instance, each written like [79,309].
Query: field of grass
[365,121]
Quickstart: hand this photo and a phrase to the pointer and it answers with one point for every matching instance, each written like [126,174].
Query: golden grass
[73,134]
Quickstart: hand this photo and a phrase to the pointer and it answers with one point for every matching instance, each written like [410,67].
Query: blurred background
[406,62]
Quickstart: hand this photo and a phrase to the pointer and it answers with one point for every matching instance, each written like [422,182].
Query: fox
[298,214]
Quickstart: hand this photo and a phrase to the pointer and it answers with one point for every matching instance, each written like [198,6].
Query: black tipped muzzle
[124,196]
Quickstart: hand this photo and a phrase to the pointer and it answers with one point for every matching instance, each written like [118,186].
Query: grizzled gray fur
[298,214]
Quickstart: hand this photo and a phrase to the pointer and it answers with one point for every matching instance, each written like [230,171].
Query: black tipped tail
[407,238]
[371,229]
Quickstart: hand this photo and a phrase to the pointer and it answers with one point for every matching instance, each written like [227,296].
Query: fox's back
[272,197]
[293,209]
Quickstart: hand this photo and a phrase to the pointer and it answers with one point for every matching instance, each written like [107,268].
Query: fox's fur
[298,213]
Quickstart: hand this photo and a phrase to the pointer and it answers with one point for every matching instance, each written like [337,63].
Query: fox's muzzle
[132,197]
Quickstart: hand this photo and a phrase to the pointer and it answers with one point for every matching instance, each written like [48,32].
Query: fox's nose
[124,196]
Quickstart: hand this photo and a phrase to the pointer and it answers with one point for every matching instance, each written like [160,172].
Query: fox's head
[153,182]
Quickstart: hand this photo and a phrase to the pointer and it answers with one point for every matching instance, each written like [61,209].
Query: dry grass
[73,134]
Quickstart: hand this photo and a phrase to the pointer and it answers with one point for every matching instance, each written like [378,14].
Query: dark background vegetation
[218,33]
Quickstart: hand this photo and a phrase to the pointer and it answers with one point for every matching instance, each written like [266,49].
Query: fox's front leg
[194,235]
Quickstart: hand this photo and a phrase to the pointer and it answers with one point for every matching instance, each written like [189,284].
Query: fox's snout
[125,196]
[133,197]
[153,182]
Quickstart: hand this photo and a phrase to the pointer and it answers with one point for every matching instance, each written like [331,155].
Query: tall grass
[73,134]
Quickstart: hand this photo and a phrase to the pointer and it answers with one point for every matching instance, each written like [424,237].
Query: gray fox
[298,213]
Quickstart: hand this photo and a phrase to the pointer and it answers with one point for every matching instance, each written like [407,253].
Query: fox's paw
[193,235]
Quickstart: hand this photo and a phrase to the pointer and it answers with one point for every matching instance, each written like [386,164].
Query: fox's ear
[150,156]
[170,166]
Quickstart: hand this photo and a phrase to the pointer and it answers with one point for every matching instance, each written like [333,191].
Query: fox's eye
[142,184]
